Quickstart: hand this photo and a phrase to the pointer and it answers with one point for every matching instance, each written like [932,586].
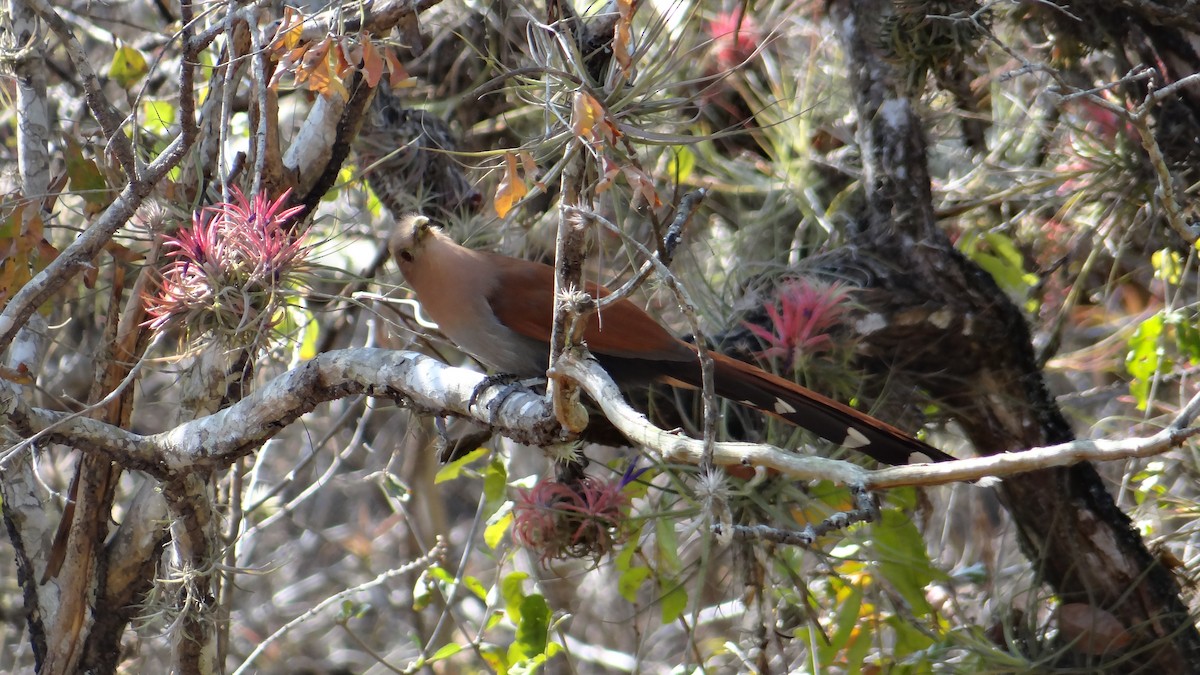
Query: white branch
[219,439]
[425,384]
[672,446]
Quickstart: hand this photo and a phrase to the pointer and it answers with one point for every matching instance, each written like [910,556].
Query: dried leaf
[398,77]
[372,63]
[586,112]
[611,171]
[316,71]
[623,36]
[511,188]
[529,167]
[18,375]
[345,58]
[311,58]
[642,186]
[290,31]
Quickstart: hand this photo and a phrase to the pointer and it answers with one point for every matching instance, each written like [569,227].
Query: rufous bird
[500,310]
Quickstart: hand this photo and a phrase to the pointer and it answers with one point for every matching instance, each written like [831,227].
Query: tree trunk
[925,292]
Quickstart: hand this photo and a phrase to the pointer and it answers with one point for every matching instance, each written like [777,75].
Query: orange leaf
[611,171]
[642,186]
[511,188]
[623,35]
[322,79]
[345,58]
[529,167]
[289,32]
[314,57]
[372,64]
[398,77]
[586,111]
[18,375]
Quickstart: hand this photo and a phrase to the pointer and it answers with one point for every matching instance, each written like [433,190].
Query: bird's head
[412,230]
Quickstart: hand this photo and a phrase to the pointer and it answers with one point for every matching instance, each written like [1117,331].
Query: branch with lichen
[429,386]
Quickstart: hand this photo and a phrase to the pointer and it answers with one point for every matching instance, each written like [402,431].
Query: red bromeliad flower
[231,272]
[806,311]
[579,520]
[734,38]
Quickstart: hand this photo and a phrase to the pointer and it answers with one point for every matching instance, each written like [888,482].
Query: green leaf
[528,666]
[532,630]
[673,601]
[351,610]
[128,67]
[441,575]
[1145,358]
[158,116]
[493,620]
[498,526]
[495,484]
[494,656]
[903,560]
[909,639]
[681,164]
[394,488]
[1187,333]
[631,580]
[85,176]
[454,469]
[998,255]
[423,591]
[475,586]
[624,558]
[445,652]
[667,546]
[511,589]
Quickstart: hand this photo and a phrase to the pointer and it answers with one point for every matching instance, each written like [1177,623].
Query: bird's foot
[512,384]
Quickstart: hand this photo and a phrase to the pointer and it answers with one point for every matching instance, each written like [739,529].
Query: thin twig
[689,311]
[424,561]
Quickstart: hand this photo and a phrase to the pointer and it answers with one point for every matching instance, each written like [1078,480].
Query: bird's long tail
[794,404]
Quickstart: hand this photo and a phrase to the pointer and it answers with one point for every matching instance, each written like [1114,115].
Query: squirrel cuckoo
[500,309]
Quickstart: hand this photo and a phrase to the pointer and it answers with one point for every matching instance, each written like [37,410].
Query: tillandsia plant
[576,520]
[232,275]
[801,318]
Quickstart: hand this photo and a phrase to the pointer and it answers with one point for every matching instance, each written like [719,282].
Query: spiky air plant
[938,38]
[581,518]
[407,156]
[230,276]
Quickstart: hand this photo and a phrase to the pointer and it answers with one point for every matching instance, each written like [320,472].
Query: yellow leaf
[128,67]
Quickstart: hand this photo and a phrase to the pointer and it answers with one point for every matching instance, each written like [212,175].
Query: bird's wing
[523,300]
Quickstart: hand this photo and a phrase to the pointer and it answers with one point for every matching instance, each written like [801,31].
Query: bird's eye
[406,256]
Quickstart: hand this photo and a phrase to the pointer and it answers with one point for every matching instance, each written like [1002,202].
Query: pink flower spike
[805,312]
